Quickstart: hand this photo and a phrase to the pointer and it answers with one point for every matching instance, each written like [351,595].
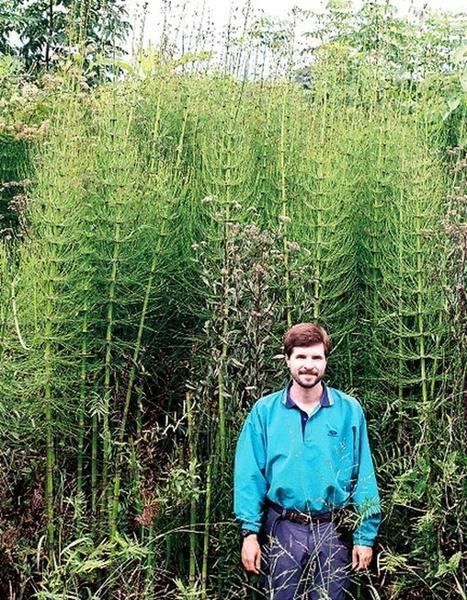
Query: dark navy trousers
[303,561]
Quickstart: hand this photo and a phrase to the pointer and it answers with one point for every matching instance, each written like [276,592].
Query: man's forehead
[313,349]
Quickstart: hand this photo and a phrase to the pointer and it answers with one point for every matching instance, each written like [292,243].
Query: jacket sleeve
[365,494]
[250,485]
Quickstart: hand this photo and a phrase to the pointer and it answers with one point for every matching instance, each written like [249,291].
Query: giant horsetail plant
[228,181]
[225,177]
[42,276]
[55,229]
[122,248]
[171,186]
[163,185]
[324,253]
[86,311]
[404,305]
[115,206]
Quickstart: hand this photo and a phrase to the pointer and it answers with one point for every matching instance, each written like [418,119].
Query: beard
[307,386]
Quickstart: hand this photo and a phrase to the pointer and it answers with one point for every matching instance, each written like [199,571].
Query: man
[302,459]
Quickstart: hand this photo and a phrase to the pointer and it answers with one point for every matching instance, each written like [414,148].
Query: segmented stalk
[207,521]
[400,383]
[420,302]
[82,397]
[181,138]
[227,184]
[193,545]
[106,450]
[318,242]
[319,210]
[94,466]
[111,300]
[50,452]
[284,213]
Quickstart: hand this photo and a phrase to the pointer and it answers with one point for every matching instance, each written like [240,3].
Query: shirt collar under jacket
[326,399]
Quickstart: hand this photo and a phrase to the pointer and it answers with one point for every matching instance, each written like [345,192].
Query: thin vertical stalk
[82,397]
[108,353]
[207,521]
[400,316]
[182,137]
[193,505]
[227,177]
[50,451]
[284,212]
[94,467]
[420,303]
[319,211]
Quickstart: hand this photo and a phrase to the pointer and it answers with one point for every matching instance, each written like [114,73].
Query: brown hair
[306,334]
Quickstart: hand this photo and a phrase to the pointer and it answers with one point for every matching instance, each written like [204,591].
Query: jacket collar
[325,400]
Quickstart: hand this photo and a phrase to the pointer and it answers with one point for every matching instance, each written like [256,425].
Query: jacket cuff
[365,533]
[250,525]
[357,541]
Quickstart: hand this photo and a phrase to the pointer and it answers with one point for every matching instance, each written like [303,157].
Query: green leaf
[463,79]
[453,103]
[450,566]
[459,54]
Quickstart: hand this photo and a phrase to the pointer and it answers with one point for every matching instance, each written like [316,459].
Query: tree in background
[44,32]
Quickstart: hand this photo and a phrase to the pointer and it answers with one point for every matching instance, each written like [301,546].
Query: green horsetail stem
[54,228]
[94,458]
[207,521]
[224,345]
[284,213]
[400,317]
[182,137]
[50,452]
[420,301]
[82,399]
[106,448]
[320,197]
[106,497]
[193,544]
[221,369]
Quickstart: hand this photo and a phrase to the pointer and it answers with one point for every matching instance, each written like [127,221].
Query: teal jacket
[312,465]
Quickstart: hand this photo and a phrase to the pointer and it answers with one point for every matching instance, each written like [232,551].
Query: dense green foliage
[172,225]
[38,38]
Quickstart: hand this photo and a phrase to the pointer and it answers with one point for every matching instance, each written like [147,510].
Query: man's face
[307,364]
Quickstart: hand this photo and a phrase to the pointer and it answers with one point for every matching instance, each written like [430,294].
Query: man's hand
[251,554]
[361,557]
